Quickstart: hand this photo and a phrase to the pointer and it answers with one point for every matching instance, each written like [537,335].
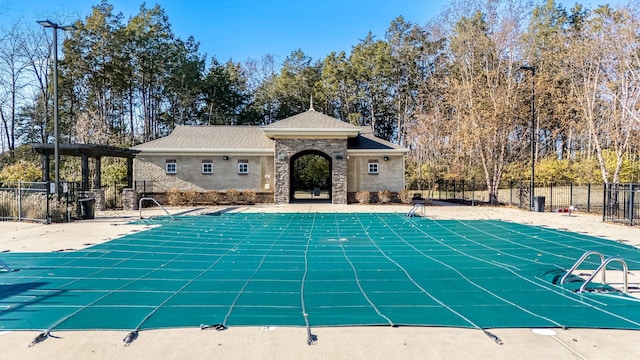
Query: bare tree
[13,71]
[39,59]
[485,54]
[604,84]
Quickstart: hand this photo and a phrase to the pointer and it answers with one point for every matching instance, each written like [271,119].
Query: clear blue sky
[241,29]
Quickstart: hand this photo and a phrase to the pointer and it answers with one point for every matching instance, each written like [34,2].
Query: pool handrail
[602,267]
[580,261]
[155,201]
[415,208]
[5,266]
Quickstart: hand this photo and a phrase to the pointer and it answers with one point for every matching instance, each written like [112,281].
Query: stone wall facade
[129,199]
[101,202]
[336,149]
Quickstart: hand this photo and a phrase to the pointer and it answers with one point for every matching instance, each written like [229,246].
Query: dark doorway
[310,176]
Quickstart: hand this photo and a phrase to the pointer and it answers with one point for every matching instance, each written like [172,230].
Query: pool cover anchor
[312,339]
[218,327]
[493,337]
[130,337]
[40,338]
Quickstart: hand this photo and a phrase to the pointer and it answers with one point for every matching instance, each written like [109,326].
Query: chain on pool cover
[314,269]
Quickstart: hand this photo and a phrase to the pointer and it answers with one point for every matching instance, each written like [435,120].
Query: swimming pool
[315,269]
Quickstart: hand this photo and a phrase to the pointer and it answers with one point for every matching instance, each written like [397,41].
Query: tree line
[457,91]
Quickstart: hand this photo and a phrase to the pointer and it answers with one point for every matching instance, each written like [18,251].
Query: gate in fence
[622,203]
[38,201]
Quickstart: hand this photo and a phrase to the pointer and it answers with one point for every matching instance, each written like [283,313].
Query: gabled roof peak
[311,123]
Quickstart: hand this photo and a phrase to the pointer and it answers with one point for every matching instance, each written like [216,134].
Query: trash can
[316,191]
[538,203]
[87,208]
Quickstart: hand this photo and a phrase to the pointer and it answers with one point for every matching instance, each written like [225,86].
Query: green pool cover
[315,269]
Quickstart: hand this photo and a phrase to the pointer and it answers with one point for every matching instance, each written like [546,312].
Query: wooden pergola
[86,151]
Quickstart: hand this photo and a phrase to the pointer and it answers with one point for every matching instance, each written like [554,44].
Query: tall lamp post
[56,137]
[533,127]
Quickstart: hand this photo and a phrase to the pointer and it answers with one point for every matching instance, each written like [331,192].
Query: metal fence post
[473,192]
[510,192]
[604,203]
[520,194]
[48,196]
[19,200]
[570,194]
[589,197]
[631,201]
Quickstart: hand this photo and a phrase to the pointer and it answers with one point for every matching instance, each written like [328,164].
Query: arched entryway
[310,176]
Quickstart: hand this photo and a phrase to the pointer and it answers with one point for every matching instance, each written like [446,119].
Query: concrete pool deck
[335,342]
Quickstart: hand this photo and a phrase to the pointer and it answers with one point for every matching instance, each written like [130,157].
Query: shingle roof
[212,138]
[367,141]
[252,138]
[310,119]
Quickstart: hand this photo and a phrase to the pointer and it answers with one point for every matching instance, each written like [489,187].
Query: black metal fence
[557,197]
[622,203]
[150,187]
[113,195]
[618,203]
[38,201]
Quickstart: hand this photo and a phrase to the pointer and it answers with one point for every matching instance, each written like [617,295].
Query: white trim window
[171,167]
[243,167]
[207,167]
[373,167]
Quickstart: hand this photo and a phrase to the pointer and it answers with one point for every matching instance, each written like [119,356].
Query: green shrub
[21,170]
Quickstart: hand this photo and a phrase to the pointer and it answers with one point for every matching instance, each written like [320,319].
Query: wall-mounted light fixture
[282,157]
[225,158]
[339,157]
[386,158]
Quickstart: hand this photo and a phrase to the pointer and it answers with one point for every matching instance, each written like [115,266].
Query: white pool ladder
[602,267]
[415,208]
[156,202]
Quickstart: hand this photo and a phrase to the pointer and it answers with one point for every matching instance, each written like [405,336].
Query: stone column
[339,177]
[285,149]
[281,173]
[101,203]
[129,199]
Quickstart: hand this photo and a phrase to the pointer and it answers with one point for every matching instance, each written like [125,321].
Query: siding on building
[189,174]
[390,173]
